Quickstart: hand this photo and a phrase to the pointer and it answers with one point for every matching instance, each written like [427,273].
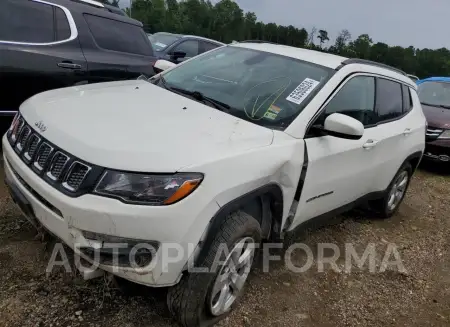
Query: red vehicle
[434,95]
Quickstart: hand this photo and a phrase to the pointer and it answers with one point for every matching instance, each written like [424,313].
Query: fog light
[120,251]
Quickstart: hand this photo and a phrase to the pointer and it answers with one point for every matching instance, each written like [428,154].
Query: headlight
[445,135]
[147,189]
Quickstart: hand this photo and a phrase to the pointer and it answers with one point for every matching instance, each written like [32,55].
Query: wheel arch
[265,204]
[414,159]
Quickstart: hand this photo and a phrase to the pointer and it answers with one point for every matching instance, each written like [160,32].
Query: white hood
[137,126]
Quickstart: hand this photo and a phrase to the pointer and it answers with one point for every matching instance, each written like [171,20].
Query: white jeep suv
[242,144]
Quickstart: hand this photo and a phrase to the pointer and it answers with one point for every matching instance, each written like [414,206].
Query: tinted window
[407,103]
[118,36]
[62,25]
[209,46]
[160,41]
[389,99]
[26,21]
[189,47]
[355,99]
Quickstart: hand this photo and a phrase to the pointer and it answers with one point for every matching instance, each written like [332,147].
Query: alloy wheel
[398,190]
[232,276]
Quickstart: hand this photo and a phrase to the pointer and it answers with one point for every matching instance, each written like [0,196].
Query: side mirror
[161,65]
[178,55]
[343,126]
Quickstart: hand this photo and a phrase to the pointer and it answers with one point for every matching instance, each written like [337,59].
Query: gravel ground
[418,296]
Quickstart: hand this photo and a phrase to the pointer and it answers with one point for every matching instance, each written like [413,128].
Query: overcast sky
[396,22]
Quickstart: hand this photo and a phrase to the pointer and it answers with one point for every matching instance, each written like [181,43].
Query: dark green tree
[226,21]
[323,37]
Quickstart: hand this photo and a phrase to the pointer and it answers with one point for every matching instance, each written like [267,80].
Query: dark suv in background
[434,95]
[58,43]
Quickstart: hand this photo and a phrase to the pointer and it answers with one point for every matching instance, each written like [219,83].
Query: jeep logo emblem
[40,125]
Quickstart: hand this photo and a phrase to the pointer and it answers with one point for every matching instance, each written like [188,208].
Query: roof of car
[317,57]
[433,79]
[167,33]
[90,7]
[191,37]
[202,38]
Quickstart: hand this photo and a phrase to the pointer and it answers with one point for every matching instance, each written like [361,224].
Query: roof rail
[91,3]
[371,63]
[115,10]
[256,41]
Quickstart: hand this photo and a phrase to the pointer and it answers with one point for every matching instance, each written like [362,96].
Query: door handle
[69,65]
[407,131]
[370,144]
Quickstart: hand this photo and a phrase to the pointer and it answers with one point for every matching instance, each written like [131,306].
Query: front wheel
[202,299]
[387,206]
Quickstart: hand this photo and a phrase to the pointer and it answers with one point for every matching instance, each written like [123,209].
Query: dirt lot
[418,297]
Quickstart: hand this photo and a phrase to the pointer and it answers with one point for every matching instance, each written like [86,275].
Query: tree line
[225,21]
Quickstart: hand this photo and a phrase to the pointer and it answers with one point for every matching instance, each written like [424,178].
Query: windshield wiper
[436,105]
[197,96]
[201,97]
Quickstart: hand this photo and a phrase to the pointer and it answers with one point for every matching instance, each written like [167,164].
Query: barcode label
[301,92]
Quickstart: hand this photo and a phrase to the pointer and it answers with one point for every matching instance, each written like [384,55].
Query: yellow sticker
[273,108]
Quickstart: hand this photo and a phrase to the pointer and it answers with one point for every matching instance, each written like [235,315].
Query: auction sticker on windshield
[302,91]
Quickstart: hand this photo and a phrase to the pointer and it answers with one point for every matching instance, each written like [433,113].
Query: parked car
[178,48]
[434,95]
[245,143]
[58,43]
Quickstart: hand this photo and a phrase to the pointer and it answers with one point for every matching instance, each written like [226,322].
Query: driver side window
[355,99]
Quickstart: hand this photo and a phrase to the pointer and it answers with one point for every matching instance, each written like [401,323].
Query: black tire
[188,300]
[380,206]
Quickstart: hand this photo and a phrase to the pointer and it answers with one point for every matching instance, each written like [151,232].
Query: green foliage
[226,21]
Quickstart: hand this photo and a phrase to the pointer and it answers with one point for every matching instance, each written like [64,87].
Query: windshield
[434,94]
[264,88]
[160,41]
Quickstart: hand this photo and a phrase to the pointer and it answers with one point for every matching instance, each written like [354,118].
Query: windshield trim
[268,124]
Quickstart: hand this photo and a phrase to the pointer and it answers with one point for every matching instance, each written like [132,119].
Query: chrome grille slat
[43,154]
[433,132]
[23,138]
[75,176]
[45,158]
[57,164]
[31,147]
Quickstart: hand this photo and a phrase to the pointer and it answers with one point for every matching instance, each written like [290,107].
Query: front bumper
[179,226]
[438,150]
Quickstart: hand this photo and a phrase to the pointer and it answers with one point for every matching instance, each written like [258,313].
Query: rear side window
[389,103]
[62,25]
[114,35]
[26,21]
[208,46]
[407,102]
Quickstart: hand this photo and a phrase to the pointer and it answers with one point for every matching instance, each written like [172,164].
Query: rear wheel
[387,206]
[202,299]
